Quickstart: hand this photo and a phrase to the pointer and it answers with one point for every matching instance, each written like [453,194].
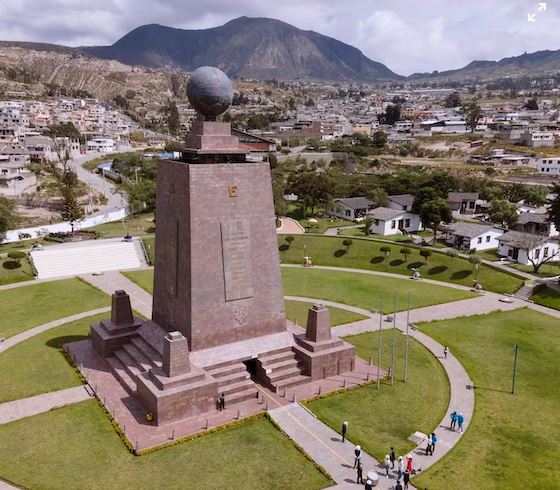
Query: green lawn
[550,269]
[297,311]
[11,271]
[512,438]
[365,290]
[547,297]
[380,419]
[47,369]
[29,306]
[366,254]
[351,288]
[76,447]
[323,224]
[138,225]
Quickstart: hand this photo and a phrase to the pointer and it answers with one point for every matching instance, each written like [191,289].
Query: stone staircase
[134,358]
[279,370]
[525,292]
[234,381]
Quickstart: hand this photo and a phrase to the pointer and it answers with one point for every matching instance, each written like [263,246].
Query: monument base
[169,399]
[107,338]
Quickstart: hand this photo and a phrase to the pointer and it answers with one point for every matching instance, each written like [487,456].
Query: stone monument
[218,323]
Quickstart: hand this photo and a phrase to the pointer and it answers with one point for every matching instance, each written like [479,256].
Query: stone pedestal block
[176,355]
[212,136]
[121,311]
[318,324]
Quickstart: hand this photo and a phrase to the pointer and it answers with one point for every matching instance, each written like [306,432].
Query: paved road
[290,226]
[104,186]
[27,407]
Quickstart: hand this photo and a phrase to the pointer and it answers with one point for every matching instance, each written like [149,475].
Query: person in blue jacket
[460,420]
[434,440]
[453,420]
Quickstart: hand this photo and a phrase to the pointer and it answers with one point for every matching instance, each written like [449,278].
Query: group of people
[457,421]
[431,445]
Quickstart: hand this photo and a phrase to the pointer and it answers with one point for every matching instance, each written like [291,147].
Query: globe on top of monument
[209,91]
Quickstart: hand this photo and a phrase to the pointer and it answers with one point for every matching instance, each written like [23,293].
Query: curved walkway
[20,337]
[290,226]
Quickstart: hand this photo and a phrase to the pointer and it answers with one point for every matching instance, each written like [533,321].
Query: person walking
[222,402]
[406,479]
[357,456]
[453,419]
[428,445]
[460,420]
[400,467]
[387,465]
[409,465]
[359,478]
[398,486]
[344,429]
[445,351]
[393,457]
[434,440]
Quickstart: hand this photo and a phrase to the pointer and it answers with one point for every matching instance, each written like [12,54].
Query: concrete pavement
[34,405]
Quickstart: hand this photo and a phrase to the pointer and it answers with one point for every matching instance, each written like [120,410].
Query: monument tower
[218,323]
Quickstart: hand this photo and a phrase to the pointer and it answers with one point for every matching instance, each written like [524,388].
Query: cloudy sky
[406,35]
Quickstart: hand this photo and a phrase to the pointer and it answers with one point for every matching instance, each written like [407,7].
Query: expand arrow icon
[542,6]
[531,17]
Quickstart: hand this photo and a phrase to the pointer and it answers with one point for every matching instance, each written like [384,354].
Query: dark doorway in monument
[251,367]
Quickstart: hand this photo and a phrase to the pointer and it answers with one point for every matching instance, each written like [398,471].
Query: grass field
[380,419]
[29,306]
[550,269]
[365,290]
[512,439]
[48,369]
[138,225]
[362,290]
[547,297]
[366,254]
[11,271]
[297,311]
[76,447]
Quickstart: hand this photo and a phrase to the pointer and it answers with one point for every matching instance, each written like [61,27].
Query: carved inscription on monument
[236,253]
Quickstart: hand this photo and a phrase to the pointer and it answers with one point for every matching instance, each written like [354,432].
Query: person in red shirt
[409,465]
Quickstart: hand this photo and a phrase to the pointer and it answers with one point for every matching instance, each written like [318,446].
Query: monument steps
[291,382]
[226,368]
[234,388]
[130,365]
[234,381]
[282,364]
[285,355]
[138,356]
[127,382]
[284,373]
[147,350]
[242,396]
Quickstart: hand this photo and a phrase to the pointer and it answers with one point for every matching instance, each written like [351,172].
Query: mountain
[258,48]
[529,64]
[39,68]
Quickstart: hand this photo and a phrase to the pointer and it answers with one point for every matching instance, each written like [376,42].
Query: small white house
[101,145]
[521,247]
[549,166]
[472,236]
[388,221]
[403,202]
[351,208]
[538,139]
[535,223]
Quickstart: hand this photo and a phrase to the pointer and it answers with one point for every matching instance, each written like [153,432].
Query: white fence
[39,231]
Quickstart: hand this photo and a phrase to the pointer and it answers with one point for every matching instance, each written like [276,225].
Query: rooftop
[385,214]
[402,199]
[523,240]
[356,202]
[462,196]
[470,230]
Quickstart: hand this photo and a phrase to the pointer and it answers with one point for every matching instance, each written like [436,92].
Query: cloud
[406,35]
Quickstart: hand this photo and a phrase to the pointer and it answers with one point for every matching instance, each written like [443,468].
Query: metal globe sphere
[209,91]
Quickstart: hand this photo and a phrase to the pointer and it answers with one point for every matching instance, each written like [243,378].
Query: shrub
[17,256]
[290,239]
[406,252]
[347,243]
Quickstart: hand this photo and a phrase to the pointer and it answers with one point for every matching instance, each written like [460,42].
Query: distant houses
[351,208]
[389,221]
[462,202]
[527,248]
[473,236]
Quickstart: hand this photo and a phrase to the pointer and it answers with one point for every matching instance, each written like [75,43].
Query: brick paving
[27,407]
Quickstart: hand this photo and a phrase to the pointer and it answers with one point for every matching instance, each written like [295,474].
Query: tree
[121,101]
[68,182]
[422,196]
[309,102]
[473,114]
[426,254]
[434,212]
[532,105]
[379,196]
[386,251]
[8,217]
[532,246]
[553,206]
[367,225]
[65,130]
[312,189]
[452,100]
[392,114]
[503,212]
[290,239]
[278,191]
[347,243]
[379,139]
[453,254]
[406,252]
